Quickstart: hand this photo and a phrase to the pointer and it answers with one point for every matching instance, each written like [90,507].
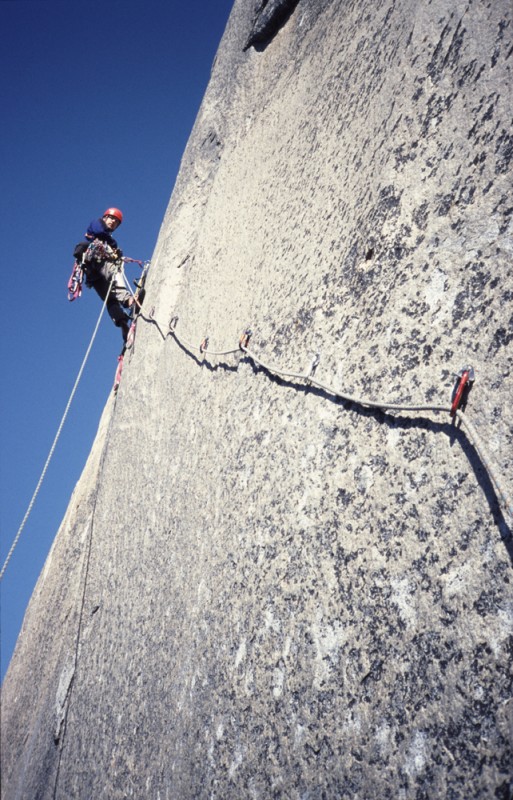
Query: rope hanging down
[57,435]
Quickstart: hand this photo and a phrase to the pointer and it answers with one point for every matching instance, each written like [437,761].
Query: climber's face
[111,222]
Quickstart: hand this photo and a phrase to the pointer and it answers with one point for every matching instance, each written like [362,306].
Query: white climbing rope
[308,376]
[361,401]
[57,435]
[144,267]
[502,495]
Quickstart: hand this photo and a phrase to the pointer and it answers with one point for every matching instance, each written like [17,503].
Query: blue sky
[98,100]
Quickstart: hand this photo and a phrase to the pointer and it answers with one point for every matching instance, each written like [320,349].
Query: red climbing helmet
[114,212]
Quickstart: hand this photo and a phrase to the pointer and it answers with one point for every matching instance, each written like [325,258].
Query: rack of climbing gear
[75,282]
[100,251]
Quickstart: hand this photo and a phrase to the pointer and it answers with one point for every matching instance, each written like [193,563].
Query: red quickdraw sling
[464,380]
[119,370]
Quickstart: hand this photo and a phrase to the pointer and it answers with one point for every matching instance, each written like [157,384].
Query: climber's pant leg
[119,290]
[100,282]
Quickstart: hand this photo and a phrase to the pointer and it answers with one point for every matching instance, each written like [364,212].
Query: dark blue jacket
[97,230]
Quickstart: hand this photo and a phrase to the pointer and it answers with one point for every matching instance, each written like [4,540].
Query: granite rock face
[300,597]
[270,18]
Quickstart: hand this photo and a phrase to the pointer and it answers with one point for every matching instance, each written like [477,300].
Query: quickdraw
[313,366]
[464,379]
[127,260]
[75,282]
[244,339]
[204,345]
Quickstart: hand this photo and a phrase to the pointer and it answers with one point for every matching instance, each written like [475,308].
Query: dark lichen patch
[470,72]
[420,216]
[446,57]
[437,106]
[502,337]
[503,152]
[487,603]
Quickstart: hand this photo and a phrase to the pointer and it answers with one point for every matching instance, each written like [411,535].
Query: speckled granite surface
[298,597]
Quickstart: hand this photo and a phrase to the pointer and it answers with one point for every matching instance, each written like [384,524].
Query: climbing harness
[95,251]
[100,251]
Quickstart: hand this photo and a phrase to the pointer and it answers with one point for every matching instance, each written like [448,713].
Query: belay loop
[75,282]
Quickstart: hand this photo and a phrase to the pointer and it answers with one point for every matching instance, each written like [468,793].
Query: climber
[100,257]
